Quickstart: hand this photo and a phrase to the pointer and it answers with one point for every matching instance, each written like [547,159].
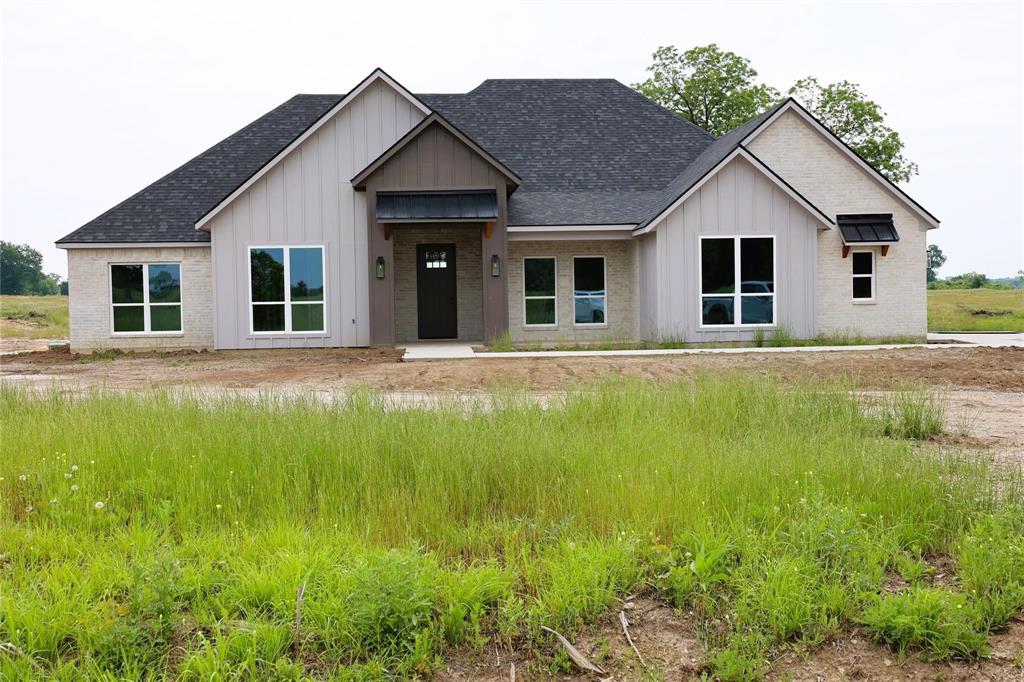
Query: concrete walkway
[992,340]
[437,350]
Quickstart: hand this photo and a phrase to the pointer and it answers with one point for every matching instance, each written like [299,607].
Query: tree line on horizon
[21,273]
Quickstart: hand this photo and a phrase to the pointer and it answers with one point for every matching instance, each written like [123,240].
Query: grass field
[155,537]
[36,317]
[976,310]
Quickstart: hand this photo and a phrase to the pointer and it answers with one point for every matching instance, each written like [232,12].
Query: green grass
[36,317]
[975,310]
[149,536]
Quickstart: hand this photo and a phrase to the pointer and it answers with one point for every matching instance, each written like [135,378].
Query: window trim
[871,277]
[145,305]
[287,302]
[737,283]
[604,274]
[526,298]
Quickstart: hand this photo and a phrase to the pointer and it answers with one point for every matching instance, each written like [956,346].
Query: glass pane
[539,276]
[862,287]
[307,274]
[717,309]
[308,317]
[268,318]
[588,276]
[267,268]
[756,268]
[862,263]
[717,266]
[165,283]
[129,318]
[589,310]
[540,311]
[756,309]
[126,283]
[165,318]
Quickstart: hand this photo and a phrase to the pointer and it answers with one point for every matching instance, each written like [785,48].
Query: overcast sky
[101,98]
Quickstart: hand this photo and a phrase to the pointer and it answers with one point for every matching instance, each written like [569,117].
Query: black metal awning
[465,206]
[867,228]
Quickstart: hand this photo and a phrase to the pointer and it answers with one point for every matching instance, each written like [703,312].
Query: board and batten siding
[307,199]
[739,200]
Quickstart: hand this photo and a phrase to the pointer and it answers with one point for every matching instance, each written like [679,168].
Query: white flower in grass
[53,501]
[28,509]
[74,488]
[67,475]
[23,477]
[99,505]
[74,467]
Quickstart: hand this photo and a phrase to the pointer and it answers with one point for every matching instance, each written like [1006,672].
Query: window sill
[591,325]
[530,327]
[864,301]
[727,327]
[288,335]
[146,335]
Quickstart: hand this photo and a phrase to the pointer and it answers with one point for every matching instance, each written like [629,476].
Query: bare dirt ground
[1000,369]
[983,389]
[671,650]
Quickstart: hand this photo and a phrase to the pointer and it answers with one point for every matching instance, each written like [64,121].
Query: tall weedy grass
[160,535]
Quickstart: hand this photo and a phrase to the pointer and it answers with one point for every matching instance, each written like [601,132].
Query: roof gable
[791,105]
[428,123]
[378,74]
[712,169]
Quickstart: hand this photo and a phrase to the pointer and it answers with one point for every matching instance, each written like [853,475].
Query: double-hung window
[145,298]
[539,292]
[737,281]
[863,276]
[589,295]
[286,285]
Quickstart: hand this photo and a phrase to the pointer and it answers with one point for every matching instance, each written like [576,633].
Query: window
[737,281]
[863,275]
[146,298]
[539,299]
[435,259]
[286,285]
[589,297]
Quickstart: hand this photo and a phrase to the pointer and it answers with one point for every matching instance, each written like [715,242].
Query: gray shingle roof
[589,151]
[167,210]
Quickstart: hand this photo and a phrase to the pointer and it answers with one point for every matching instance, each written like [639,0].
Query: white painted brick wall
[621,271]
[833,183]
[89,294]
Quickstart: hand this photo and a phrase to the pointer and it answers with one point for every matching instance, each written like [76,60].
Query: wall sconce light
[495,266]
[380,267]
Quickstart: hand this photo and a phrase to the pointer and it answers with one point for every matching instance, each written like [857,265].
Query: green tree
[21,271]
[857,121]
[935,261]
[718,90]
[711,87]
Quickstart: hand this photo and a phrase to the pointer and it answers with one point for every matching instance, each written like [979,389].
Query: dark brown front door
[436,302]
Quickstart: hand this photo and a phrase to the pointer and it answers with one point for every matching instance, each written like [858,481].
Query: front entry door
[436,302]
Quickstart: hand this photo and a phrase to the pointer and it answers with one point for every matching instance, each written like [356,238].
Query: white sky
[101,98]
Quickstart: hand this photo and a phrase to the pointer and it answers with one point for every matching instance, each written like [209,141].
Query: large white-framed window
[145,298]
[863,263]
[589,292]
[286,290]
[737,281]
[540,291]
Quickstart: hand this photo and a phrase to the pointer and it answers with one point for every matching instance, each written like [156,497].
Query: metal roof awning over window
[867,228]
[464,206]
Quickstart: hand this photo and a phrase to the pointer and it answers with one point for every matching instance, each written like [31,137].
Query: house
[554,210]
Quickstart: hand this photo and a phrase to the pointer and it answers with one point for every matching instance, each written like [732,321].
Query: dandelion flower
[28,508]
[23,477]
[74,467]
[99,505]
[218,506]
[67,475]
[74,488]
[53,501]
